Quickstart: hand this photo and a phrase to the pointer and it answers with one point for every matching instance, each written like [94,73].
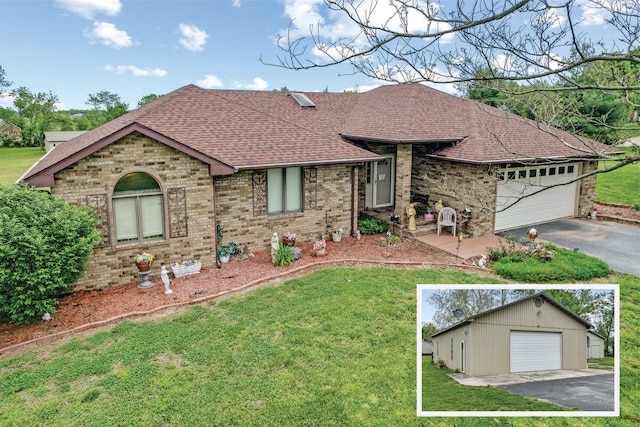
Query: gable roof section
[228,130]
[542,295]
[232,130]
[475,132]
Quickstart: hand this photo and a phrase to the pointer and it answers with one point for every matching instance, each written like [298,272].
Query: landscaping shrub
[539,266]
[284,256]
[45,246]
[372,226]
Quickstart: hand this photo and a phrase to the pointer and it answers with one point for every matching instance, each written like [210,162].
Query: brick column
[403,180]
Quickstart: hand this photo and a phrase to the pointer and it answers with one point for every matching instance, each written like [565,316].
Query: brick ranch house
[254,162]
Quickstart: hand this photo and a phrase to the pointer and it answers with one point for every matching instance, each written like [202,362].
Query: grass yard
[16,161]
[619,186]
[333,348]
[441,393]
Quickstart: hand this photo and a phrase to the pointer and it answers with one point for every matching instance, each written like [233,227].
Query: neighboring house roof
[62,136]
[427,347]
[542,295]
[598,335]
[232,130]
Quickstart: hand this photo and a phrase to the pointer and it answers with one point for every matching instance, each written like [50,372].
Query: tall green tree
[147,99]
[107,105]
[3,80]
[36,112]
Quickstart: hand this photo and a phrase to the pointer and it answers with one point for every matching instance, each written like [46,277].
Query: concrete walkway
[468,247]
[525,377]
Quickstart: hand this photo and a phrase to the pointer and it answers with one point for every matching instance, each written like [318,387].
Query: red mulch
[86,310]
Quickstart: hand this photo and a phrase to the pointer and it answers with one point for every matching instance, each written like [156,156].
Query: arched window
[138,208]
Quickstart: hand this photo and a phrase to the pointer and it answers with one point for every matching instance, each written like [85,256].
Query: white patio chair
[447,218]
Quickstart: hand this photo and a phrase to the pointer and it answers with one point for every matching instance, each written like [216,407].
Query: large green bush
[372,226]
[45,246]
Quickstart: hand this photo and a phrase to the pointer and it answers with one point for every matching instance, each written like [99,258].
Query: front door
[383,182]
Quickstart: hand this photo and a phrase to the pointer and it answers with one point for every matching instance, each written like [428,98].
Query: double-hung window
[138,208]
[284,190]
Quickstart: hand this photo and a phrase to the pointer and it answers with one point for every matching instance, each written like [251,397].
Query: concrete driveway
[592,393]
[616,244]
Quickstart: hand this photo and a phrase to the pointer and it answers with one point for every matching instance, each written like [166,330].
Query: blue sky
[74,48]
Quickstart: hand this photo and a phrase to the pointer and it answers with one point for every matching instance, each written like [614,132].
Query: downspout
[215,223]
[354,203]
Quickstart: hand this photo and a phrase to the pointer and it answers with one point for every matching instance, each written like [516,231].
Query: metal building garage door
[535,351]
[548,205]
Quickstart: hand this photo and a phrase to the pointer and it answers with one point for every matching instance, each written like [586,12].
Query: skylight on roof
[302,100]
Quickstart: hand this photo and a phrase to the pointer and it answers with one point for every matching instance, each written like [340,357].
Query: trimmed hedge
[45,245]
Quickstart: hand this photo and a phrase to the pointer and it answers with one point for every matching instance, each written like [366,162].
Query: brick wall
[587,189]
[112,264]
[235,210]
[471,180]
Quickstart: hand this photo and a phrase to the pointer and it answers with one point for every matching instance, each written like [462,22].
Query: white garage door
[554,203]
[535,351]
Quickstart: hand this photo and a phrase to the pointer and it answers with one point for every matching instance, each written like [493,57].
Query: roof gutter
[309,163]
[512,160]
[403,141]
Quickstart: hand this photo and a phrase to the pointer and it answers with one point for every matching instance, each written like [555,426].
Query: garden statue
[411,213]
[165,279]
[275,244]
[439,205]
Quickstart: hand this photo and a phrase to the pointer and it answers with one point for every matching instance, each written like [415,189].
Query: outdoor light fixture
[538,302]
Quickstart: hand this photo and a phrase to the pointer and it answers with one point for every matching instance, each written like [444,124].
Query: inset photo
[521,350]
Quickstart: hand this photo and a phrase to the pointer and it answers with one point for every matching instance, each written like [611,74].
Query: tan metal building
[532,334]
[595,345]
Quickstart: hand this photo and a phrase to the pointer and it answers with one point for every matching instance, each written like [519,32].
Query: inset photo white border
[463,322]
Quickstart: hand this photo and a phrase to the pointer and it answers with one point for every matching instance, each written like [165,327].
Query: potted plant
[223,254]
[336,235]
[143,261]
[289,238]
[320,247]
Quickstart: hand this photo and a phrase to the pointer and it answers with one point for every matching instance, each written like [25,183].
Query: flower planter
[336,237]
[143,266]
[320,252]
[224,259]
[186,270]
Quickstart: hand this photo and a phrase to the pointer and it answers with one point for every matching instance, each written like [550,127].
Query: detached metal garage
[532,334]
[554,203]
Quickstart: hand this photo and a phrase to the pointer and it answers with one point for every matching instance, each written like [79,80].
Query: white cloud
[553,19]
[109,35]
[192,37]
[593,17]
[503,63]
[6,100]
[210,81]
[136,71]
[236,3]
[89,8]
[258,84]
[334,25]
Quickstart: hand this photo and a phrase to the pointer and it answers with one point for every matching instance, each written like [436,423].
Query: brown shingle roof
[234,129]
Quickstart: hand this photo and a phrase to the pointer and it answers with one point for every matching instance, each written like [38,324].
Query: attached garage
[535,333]
[552,204]
[535,351]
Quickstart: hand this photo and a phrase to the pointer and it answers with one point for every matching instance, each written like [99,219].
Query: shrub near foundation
[45,246]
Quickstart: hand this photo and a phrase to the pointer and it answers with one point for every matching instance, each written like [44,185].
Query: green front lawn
[16,161]
[333,348]
[619,186]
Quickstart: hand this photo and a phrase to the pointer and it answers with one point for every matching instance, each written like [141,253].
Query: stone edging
[134,314]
